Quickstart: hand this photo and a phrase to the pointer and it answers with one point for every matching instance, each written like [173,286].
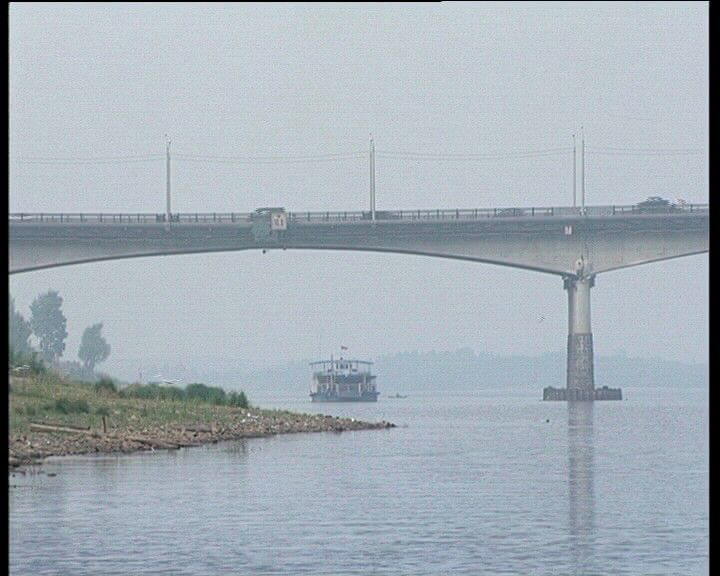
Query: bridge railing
[455,214]
[352,216]
[671,208]
[211,217]
[128,218]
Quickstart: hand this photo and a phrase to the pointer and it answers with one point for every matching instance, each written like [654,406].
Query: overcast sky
[281,80]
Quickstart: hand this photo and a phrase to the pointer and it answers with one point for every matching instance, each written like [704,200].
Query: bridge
[576,244]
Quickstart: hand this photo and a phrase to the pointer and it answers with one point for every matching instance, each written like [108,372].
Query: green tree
[19,331]
[48,324]
[239,400]
[93,347]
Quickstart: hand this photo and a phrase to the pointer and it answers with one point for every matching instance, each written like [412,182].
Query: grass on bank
[48,397]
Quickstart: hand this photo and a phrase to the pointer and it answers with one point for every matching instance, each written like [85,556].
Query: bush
[128,391]
[172,393]
[67,406]
[239,400]
[105,385]
[218,396]
[195,392]
[32,362]
[203,393]
[145,392]
[153,391]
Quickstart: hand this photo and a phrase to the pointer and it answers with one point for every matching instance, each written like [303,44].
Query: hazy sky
[280,80]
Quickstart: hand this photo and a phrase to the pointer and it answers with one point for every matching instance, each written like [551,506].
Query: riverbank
[52,416]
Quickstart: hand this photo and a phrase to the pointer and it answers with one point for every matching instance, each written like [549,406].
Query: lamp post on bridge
[167,178]
[582,170]
[574,173]
[372,178]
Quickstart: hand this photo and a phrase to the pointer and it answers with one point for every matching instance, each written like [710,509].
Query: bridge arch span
[110,257]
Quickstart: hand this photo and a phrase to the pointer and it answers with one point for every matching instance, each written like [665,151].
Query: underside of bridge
[575,248]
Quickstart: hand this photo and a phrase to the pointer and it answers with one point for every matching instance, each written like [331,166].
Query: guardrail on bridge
[383,215]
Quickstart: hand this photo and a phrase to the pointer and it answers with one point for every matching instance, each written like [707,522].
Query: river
[482,482]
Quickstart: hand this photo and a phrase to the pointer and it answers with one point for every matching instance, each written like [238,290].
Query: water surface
[470,483]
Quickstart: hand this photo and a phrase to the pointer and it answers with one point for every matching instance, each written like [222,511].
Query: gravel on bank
[32,447]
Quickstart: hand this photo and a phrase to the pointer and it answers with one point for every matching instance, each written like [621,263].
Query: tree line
[48,325]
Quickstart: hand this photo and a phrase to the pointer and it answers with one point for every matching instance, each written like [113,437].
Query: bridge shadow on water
[581,496]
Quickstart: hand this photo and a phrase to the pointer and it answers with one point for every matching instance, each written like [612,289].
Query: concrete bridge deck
[548,240]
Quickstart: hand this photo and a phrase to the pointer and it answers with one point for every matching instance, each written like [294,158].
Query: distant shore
[120,425]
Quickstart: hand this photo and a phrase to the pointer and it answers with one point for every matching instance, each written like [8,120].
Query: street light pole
[372,178]
[167,177]
[574,173]
[582,170]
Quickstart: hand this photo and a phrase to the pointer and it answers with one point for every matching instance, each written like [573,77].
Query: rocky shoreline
[33,447]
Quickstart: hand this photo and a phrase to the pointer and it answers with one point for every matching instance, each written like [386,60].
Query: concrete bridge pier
[580,362]
[580,376]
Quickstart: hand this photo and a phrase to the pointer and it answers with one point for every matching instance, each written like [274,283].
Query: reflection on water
[238,447]
[581,506]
